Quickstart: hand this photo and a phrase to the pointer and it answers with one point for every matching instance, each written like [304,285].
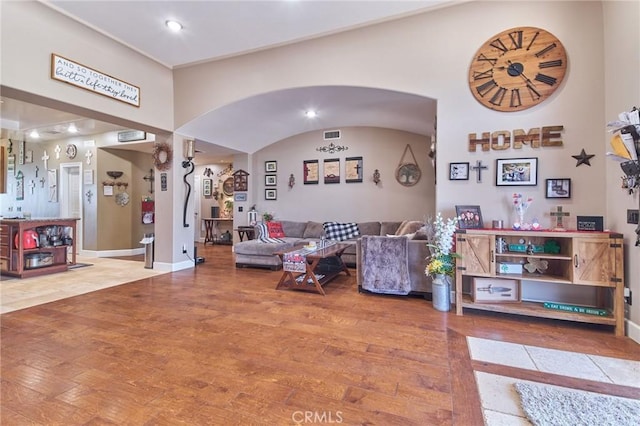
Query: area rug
[552,405]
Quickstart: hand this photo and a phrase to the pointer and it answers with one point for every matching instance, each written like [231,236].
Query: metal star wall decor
[583,158]
[332,148]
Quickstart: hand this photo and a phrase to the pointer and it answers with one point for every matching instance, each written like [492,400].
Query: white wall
[622,68]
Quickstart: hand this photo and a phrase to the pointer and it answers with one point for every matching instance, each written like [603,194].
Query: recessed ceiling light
[72,128]
[174,26]
[310,114]
[34,134]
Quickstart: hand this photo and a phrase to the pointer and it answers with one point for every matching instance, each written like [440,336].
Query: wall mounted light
[376,176]
[292,181]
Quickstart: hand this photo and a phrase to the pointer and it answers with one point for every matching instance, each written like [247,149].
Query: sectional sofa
[256,253]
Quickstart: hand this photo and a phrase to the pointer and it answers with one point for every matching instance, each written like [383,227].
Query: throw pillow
[409,227]
[340,231]
[275,229]
[263,234]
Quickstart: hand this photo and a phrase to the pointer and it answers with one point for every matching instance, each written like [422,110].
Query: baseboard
[172,267]
[112,253]
[633,331]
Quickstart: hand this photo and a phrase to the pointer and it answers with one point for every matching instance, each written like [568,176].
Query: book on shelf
[576,309]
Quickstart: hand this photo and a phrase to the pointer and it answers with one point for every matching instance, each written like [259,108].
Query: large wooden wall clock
[517,69]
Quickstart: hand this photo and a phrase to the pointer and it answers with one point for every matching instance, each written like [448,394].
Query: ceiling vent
[331,135]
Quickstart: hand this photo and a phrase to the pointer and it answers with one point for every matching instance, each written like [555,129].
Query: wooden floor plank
[219,345]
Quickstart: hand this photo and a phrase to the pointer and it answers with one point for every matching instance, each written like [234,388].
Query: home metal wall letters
[503,139]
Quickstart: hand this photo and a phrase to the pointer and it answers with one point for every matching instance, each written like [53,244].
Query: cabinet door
[477,254]
[594,261]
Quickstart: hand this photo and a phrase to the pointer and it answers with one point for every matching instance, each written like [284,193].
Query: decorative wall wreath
[162,156]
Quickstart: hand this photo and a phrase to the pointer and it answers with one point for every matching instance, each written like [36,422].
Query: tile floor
[499,399]
[22,293]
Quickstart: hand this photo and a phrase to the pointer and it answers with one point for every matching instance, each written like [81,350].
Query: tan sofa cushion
[409,227]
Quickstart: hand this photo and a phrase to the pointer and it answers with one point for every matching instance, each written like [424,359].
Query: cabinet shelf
[13,256]
[535,309]
[589,259]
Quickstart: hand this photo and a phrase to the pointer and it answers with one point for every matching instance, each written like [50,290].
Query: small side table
[248,231]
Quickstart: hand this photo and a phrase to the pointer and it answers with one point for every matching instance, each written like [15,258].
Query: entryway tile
[565,363]
[502,353]
[620,371]
[497,393]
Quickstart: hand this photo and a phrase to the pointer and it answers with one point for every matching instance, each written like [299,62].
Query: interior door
[71,197]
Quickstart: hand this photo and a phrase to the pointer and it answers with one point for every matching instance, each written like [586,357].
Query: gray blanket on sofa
[385,267]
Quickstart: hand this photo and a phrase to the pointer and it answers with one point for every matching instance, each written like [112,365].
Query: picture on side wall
[332,170]
[270,180]
[458,171]
[310,171]
[353,169]
[206,187]
[517,172]
[270,194]
[270,166]
[558,188]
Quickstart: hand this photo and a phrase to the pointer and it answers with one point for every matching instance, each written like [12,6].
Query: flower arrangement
[440,237]
[520,206]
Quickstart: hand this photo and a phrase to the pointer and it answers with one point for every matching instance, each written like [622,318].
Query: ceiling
[239,27]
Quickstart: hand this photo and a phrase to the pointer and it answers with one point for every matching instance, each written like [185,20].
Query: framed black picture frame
[517,171]
[558,188]
[270,180]
[311,171]
[206,187]
[270,194]
[353,169]
[469,217]
[331,170]
[270,166]
[458,171]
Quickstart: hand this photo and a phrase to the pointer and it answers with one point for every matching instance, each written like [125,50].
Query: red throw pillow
[275,230]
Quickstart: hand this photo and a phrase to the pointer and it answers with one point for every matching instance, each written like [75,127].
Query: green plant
[266,216]
[228,205]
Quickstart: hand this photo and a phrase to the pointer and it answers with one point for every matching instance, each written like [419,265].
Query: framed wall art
[240,196]
[353,169]
[517,172]
[11,164]
[495,290]
[21,149]
[558,188]
[270,194]
[270,180]
[331,170]
[310,172]
[270,166]
[206,187]
[469,217]
[458,171]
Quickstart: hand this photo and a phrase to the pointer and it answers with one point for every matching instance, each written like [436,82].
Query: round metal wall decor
[408,174]
[162,156]
[227,187]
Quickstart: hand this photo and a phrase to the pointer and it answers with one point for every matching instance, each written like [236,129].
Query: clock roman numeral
[487,87]
[498,97]
[535,36]
[546,79]
[516,39]
[477,75]
[546,49]
[515,98]
[498,44]
[483,58]
[549,64]
[533,92]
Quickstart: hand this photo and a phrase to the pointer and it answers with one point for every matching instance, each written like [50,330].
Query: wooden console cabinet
[580,258]
[13,257]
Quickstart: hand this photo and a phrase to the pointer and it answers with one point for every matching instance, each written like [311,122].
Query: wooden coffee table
[309,280]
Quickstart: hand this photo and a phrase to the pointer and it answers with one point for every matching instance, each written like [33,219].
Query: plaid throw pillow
[263,234]
[340,231]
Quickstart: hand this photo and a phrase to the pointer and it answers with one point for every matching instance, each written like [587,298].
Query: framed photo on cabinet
[495,290]
[469,217]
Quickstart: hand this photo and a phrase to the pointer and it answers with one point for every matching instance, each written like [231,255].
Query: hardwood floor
[218,345]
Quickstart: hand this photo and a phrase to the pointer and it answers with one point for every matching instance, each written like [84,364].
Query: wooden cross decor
[558,214]
[479,168]
[31,185]
[88,156]
[57,151]
[45,158]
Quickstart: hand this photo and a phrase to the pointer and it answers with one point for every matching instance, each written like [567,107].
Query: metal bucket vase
[441,292]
